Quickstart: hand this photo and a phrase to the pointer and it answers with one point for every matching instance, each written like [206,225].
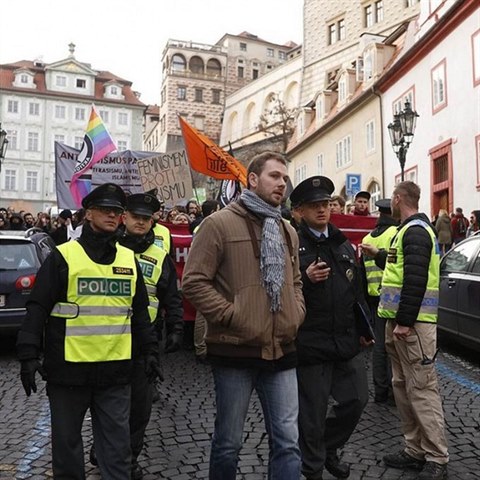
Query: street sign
[353,183]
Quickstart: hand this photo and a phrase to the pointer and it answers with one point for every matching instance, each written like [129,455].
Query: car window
[18,256]
[459,257]
[476,265]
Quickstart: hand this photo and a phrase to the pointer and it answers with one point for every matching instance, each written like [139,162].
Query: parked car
[21,254]
[459,302]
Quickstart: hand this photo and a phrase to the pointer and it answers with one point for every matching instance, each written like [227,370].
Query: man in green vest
[161,280]
[380,237]
[88,307]
[409,302]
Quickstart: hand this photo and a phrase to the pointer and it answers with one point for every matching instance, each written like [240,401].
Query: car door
[453,269]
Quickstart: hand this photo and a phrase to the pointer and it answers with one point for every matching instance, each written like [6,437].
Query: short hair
[209,206]
[410,191]
[257,164]
[459,210]
[339,199]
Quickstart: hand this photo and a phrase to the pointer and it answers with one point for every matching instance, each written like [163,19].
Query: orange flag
[208,158]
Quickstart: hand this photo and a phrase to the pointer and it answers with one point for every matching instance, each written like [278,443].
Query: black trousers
[110,409]
[322,431]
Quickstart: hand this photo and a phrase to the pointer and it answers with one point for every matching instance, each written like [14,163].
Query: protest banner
[354,227]
[170,173]
[118,167]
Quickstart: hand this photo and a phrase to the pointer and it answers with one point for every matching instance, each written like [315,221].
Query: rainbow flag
[97,143]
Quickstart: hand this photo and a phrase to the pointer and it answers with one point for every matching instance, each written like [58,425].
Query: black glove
[174,342]
[27,374]
[152,368]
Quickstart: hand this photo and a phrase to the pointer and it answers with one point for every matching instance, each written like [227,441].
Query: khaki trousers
[415,388]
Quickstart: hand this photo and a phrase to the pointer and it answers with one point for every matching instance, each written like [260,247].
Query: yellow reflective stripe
[97,330]
[151,289]
[67,309]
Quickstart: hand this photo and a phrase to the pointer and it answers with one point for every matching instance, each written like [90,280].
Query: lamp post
[401,132]
[3,145]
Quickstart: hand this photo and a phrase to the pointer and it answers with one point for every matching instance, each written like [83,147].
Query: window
[81,83]
[320,164]
[12,139]
[197,65]
[477,149]
[31,181]
[32,142]
[122,118]
[300,174]
[255,73]
[282,55]
[459,258]
[269,67]
[319,109]
[23,78]
[216,96]
[240,72]
[411,3]
[163,97]
[343,152]
[59,138]
[369,16]
[114,91]
[370,136]
[12,106]
[60,81]
[399,104]
[199,94]
[476,57]
[243,47]
[342,88]
[199,122]
[162,124]
[336,31]
[105,116]
[379,11]
[375,195]
[270,52]
[121,145]
[79,113]
[368,65]
[214,68]
[181,93]
[10,182]
[439,87]
[78,143]
[179,63]
[373,13]
[34,109]
[60,111]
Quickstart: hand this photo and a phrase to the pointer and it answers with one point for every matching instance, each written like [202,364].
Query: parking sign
[353,183]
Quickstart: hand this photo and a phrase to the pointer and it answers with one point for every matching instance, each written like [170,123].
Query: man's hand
[152,368]
[27,374]
[174,342]
[401,332]
[369,250]
[318,271]
[366,343]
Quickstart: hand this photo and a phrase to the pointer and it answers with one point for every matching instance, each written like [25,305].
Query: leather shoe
[137,472]
[402,459]
[433,471]
[335,468]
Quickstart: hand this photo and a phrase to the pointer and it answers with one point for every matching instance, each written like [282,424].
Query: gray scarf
[272,250]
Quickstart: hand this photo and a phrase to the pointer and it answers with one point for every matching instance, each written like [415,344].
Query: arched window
[232,126]
[248,120]
[196,65]
[291,95]
[178,62]
[214,68]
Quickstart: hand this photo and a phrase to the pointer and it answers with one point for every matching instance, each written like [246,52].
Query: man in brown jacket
[242,274]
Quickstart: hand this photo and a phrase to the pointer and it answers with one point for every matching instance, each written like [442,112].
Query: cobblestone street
[178,437]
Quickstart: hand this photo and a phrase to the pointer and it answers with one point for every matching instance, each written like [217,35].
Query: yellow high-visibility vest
[151,263]
[99,305]
[392,281]
[374,274]
[162,237]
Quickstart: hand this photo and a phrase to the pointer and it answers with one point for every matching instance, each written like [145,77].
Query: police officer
[161,281]
[163,237]
[88,306]
[380,237]
[328,342]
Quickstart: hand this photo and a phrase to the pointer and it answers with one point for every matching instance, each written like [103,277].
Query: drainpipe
[375,92]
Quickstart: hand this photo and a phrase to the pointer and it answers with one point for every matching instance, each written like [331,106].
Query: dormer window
[81,83]
[114,91]
[368,65]
[24,78]
[342,88]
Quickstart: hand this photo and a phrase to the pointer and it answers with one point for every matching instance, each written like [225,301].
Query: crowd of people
[287,308]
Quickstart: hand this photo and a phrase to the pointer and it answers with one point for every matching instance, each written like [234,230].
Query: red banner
[354,227]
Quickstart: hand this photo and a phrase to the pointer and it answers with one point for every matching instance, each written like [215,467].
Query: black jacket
[329,332]
[39,329]
[417,250]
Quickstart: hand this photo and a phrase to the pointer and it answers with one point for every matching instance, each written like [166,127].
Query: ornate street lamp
[3,145]
[401,131]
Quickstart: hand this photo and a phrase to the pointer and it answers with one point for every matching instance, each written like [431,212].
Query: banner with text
[118,167]
[170,173]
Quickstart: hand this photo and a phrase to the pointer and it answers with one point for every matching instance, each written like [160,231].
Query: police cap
[363,194]
[313,189]
[142,204]
[384,206]
[106,195]
[154,192]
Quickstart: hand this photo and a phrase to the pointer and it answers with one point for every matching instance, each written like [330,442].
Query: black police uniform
[74,387]
[170,301]
[328,342]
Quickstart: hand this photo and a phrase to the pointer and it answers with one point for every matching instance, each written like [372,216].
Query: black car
[459,302]
[21,254]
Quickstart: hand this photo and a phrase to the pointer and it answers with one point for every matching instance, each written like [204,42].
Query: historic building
[41,103]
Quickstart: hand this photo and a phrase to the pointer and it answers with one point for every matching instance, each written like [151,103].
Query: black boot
[335,468]
[137,472]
